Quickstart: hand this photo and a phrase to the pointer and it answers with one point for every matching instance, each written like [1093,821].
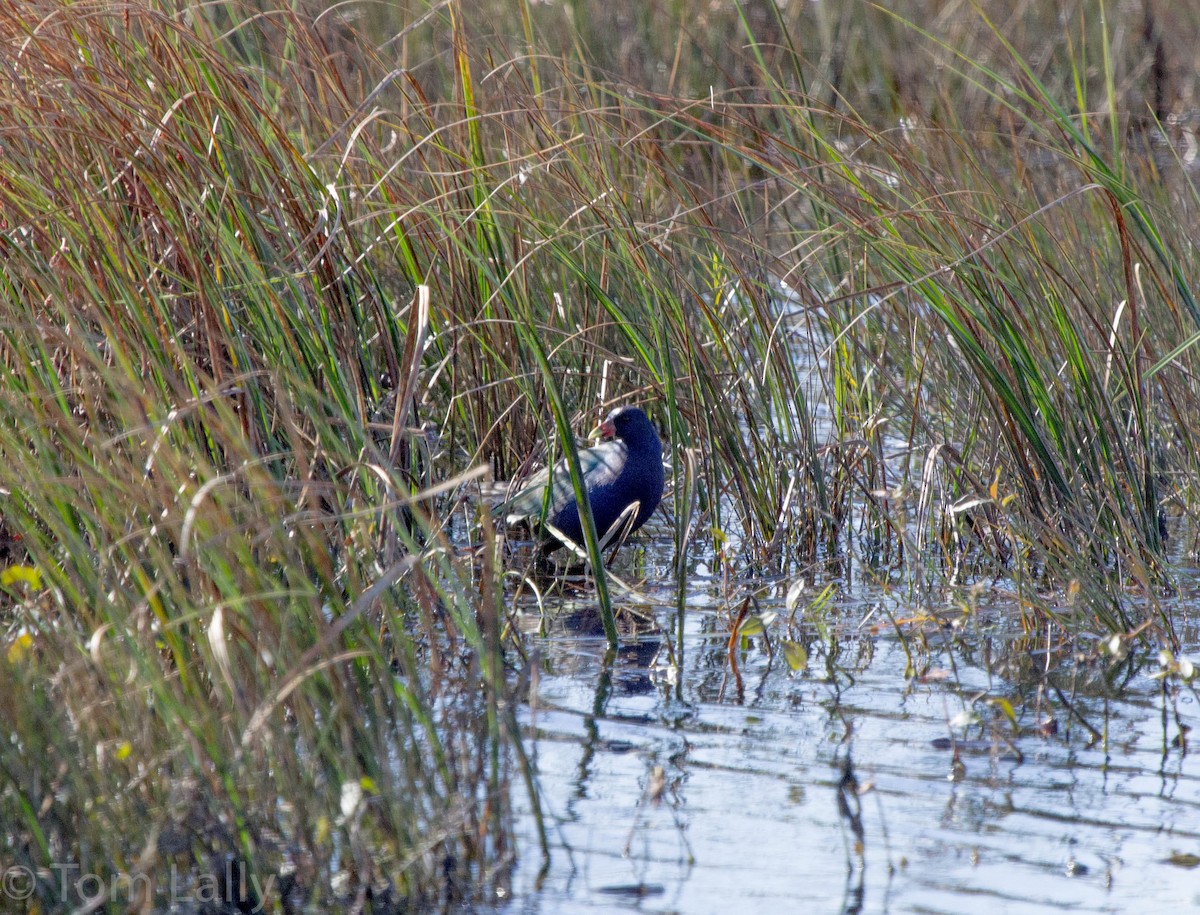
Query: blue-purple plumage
[623,477]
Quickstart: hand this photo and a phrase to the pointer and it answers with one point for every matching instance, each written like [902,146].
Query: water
[925,758]
[1042,818]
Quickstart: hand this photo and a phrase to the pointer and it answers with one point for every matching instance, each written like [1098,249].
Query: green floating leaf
[1005,706]
[751,625]
[795,654]
[1184,859]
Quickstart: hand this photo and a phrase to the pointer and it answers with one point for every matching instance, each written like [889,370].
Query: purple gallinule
[624,480]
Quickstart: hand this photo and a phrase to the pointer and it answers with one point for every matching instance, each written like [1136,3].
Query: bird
[623,478]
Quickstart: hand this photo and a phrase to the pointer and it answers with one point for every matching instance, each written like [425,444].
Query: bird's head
[624,422]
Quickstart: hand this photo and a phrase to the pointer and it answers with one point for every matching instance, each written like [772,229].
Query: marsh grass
[237,631]
[276,287]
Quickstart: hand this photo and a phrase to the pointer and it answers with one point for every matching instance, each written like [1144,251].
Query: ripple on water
[749,818]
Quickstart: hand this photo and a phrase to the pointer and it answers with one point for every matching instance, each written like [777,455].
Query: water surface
[848,785]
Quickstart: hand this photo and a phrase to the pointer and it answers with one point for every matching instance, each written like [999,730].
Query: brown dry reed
[909,291]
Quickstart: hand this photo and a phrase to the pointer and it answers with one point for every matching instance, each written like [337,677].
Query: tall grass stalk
[274,290]
[233,616]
